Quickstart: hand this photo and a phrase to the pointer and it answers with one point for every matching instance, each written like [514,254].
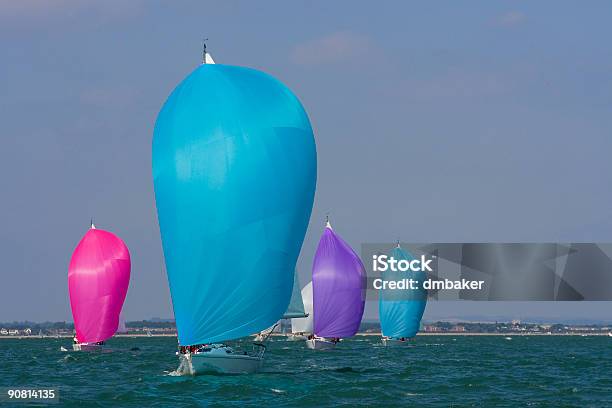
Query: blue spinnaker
[401,310]
[234,170]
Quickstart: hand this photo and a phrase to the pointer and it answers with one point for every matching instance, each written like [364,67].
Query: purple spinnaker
[338,283]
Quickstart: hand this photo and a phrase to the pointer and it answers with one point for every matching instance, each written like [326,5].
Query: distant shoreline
[494,334]
[139,335]
[66,336]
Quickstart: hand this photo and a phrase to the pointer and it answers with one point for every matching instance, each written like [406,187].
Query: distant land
[157,326]
[506,318]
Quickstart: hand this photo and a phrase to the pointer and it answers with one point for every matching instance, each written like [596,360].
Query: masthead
[204,51]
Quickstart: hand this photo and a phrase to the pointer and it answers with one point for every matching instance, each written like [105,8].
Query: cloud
[332,48]
[453,85]
[510,19]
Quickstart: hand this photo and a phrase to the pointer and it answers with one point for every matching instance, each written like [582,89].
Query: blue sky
[434,122]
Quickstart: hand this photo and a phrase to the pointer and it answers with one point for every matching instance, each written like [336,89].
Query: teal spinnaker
[234,171]
[401,310]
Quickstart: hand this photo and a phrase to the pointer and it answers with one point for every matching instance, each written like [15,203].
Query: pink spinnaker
[98,279]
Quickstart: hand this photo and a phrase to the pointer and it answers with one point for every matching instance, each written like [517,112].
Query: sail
[296,304]
[234,171]
[98,279]
[339,281]
[401,311]
[304,324]
[122,328]
[208,59]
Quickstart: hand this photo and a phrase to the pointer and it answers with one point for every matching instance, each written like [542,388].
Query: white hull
[228,364]
[220,360]
[320,344]
[86,347]
[387,342]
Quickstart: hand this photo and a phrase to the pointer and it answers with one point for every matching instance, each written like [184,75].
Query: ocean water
[437,371]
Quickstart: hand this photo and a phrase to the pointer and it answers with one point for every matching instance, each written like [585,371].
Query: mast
[204,51]
[206,58]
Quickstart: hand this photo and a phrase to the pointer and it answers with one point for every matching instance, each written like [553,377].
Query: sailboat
[338,285]
[234,172]
[401,310]
[294,310]
[302,327]
[265,334]
[98,280]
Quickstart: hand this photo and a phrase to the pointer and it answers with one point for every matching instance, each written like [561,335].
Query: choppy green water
[437,371]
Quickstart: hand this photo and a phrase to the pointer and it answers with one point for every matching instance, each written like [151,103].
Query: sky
[433,123]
